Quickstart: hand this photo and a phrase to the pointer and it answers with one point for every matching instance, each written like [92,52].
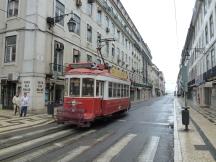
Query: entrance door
[208,96]
[100,94]
[59,93]
[8,91]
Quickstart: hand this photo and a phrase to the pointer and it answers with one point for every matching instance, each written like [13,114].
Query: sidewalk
[199,143]
[9,122]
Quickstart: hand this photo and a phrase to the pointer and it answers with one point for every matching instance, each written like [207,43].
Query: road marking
[121,120]
[38,153]
[75,152]
[11,150]
[148,153]
[153,123]
[114,150]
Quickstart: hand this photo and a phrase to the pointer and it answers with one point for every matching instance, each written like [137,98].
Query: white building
[35,53]
[199,54]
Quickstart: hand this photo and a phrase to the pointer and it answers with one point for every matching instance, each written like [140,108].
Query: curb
[177,146]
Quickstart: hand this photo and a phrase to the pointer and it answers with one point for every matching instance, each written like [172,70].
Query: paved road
[144,134]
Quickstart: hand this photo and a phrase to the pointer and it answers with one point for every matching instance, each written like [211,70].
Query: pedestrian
[24,104]
[16,104]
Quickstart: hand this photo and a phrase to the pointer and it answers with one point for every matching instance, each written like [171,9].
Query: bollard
[185,117]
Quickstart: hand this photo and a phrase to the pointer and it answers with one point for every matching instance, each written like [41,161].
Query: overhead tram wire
[22,18]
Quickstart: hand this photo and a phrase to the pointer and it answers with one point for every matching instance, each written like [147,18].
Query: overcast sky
[155,20]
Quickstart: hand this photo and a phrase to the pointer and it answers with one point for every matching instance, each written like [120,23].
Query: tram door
[100,94]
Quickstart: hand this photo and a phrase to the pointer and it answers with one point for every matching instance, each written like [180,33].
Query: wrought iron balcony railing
[57,69]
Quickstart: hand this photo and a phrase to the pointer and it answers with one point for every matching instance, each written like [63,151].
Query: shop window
[10,49]
[88,87]
[75,87]
[12,8]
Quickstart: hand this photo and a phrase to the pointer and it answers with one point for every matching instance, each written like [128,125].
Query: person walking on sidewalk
[24,104]
[16,104]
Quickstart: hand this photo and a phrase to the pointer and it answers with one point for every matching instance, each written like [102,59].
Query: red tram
[92,92]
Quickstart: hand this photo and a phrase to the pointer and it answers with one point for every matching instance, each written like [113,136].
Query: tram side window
[119,90]
[122,90]
[114,90]
[75,87]
[99,88]
[66,87]
[88,87]
[125,90]
[110,89]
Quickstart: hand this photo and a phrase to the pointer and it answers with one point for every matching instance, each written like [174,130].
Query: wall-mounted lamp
[71,23]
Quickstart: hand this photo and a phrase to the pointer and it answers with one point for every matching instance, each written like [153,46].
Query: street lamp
[71,24]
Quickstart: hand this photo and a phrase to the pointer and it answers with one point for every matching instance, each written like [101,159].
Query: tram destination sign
[118,73]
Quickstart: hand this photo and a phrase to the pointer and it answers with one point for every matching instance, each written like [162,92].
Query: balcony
[57,69]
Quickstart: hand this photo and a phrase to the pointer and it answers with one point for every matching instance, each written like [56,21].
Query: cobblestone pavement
[9,122]
[208,113]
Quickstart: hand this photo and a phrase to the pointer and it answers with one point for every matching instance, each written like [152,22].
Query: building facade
[34,51]
[198,56]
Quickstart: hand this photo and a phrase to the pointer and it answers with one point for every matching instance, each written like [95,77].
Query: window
[110,89]
[211,26]
[89,58]
[89,33]
[58,57]
[208,62]
[213,58]
[77,28]
[107,49]
[98,61]
[76,56]
[88,87]
[10,49]
[107,22]
[89,8]
[12,9]
[113,51]
[75,87]
[98,38]
[60,10]
[206,34]
[99,16]
[66,87]
[205,6]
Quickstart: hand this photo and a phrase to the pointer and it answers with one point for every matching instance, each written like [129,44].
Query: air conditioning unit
[12,76]
[99,9]
[91,1]
[59,46]
[107,30]
[78,3]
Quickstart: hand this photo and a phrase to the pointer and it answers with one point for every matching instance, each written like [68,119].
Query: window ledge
[9,64]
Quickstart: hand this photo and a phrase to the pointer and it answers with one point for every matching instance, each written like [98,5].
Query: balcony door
[58,57]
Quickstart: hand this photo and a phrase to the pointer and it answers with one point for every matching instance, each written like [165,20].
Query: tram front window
[88,87]
[75,87]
